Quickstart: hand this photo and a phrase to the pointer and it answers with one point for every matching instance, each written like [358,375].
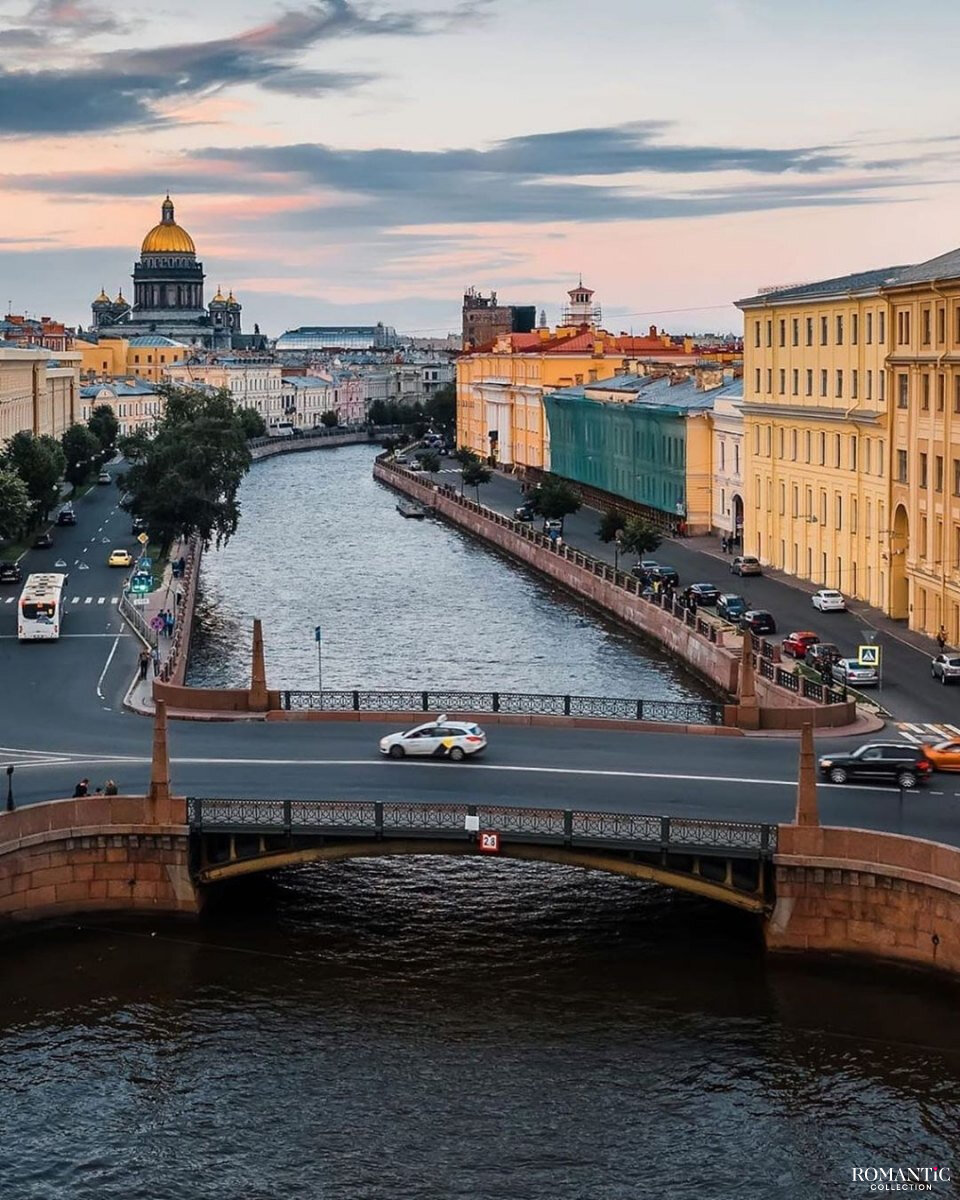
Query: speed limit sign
[489,843]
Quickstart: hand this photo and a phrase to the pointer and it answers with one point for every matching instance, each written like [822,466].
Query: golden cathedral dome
[168,237]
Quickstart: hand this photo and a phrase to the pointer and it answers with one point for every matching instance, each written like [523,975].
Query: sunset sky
[340,161]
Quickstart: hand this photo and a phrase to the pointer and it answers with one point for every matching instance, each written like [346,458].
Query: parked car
[415,465]
[552,525]
[441,738]
[104,477]
[43,541]
[704,593]
[828,600]
[525,512]
[849,671]
[797,644]
[400,459]
[66,515]
[731,606]
[758,621]
[945,667]
[822,654]
[905,765]
[659,571]
[10,572]
[746,564]
[945,756]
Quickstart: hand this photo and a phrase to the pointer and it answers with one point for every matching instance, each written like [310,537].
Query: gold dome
[219,298]
[103,298]
[168,237]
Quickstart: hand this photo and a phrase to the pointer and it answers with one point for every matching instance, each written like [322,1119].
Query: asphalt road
[908,691]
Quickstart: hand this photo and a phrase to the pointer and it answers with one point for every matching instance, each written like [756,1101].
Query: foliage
[474,474]
[640,536]
[187,480]
[329,419]
[104,426]
[253,424]
[14,506]
[40,462]
[557,500]
[391,412]
[465,456]
[441,407]
[610,525]
[81,452]
[430,461]
[134,445]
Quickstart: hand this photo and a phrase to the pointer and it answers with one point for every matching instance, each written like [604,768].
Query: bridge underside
[743,883]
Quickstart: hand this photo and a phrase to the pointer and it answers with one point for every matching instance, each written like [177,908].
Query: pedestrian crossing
[114,600]
[941,731]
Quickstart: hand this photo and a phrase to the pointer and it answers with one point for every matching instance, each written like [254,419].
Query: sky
[345,161]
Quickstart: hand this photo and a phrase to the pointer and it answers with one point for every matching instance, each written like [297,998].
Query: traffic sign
[316,633]
[143,538]
[868,656]
[489,843]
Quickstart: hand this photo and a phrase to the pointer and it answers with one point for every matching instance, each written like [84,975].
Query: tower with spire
[580,308]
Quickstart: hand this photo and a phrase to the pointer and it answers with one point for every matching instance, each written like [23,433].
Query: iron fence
[682,712]
[379,819]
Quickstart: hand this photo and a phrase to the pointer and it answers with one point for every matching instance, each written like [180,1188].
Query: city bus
[40,612]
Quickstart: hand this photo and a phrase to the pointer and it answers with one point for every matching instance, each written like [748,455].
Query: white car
[441,738]
[828,600]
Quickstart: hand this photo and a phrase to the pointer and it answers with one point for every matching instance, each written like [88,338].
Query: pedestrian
[144,663]
[110,788]
[178,597]
[155,655]
[723,544]
[183,566]
[81,789]
[941,638]
[169,623]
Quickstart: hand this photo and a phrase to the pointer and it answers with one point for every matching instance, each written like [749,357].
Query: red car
[797,644]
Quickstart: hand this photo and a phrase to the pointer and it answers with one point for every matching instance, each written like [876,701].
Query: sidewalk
[139,697]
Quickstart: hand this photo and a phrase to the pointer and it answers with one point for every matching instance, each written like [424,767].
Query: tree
[104,426]
[464,455]
[610,525]
[254,425]
[558,500]
[430,461]
[473,475]
[187,480]
[14,506]
[441,407]
[40,463]
[329,419]
[81,449]
[640,536]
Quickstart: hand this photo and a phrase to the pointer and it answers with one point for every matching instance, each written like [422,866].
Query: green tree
[81,451]
[104,426]
[40,463]
[254,425]
[187,480]
[430,461]
[329,419]
[610,525]
[640,536]
[441,407]
[475,474]
[465,455]
[558,500]
[14,506]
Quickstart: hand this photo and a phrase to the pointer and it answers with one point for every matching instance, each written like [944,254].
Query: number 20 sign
[489,843]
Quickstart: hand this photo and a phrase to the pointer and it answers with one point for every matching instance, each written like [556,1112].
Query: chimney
[653,331]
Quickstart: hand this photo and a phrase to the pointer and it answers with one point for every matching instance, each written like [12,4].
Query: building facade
[727,474]
[136,404]
[483,319]
[253,382]
[148,356]
[39,391]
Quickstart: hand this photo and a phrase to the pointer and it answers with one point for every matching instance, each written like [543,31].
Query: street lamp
[10,804]
[617,548]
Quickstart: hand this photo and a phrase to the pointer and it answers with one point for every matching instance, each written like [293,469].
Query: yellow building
[817,433]
[39,391]
[149,356]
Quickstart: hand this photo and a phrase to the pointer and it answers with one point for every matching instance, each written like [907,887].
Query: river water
[431,1028]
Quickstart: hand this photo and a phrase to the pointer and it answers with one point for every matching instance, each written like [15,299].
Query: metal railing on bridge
[379,819]
[682,712]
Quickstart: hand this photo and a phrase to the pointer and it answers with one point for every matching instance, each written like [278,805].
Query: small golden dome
[231,300]
[168,237]
[219,297]
[103,298]
[120,299]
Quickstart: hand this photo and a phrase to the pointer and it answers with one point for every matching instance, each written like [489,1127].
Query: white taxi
[441,738]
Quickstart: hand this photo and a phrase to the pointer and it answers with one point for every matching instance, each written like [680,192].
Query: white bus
[41,607]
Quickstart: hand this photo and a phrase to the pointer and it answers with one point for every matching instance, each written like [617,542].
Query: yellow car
[120,558]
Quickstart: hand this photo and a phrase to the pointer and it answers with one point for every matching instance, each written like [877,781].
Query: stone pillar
[807,810]
[748,716]
[159,795]
[258,674]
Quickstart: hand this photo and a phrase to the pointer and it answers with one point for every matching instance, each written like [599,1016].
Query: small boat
[409,508]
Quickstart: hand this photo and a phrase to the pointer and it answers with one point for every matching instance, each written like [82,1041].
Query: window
[769,333]
[756,439]
[756,334]
[923,470]
[795,330]
[839,385]
[756,380]
[925,392]
[756,490]
[941,391]
[903,389]
[838,510]
[941,324]
[879,456]
[823,381]
[793,444]
[956,476]
[807,441]
[956,394]
[810,331]
[903,327]
[823,449]
[870,385]
[783,381]
[938,476]
[823,509]
[723,455]
[796,382]
[882,327]
[783,332]
[783,498]
[901,466]
[769,379]
[869,518]
[823,331]
[839,330]
[925,325]
[854,329]
[810,384]
[869,328]
[780,440]
[796,500]
[736,458]
[854,384]
[767,439]
[853,516]
[853,451]
[882,384]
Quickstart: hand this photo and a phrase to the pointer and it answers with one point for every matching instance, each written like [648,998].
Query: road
[908,692]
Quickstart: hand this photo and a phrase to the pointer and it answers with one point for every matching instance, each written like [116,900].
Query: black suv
[822,654]
[66,515]
[894,762]
[758,621]
[10,572]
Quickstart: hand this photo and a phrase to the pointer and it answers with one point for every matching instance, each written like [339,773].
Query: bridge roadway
[61,718]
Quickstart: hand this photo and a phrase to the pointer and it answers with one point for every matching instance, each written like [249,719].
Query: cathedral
[168,295]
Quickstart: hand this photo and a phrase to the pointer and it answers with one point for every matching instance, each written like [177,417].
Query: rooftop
[647,391]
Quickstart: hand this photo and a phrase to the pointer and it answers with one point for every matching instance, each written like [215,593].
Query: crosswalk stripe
[916,733]
[101,599]
[75,600]
[89,600]
[9,600]
[114,599]
[953,729]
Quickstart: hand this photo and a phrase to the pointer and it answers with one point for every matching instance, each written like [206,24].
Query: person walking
[155,655]
[82,789]
[941,639]
[144,664]
[723,544]
[110,788]
[169,623]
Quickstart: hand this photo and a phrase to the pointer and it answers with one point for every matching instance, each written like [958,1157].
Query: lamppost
[317,635]
[617,548]
[10,804]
